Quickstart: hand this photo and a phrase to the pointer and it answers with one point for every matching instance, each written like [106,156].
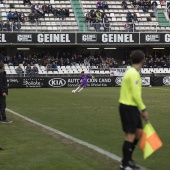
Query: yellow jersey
[131,89]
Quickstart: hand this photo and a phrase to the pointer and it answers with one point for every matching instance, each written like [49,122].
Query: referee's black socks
[134,144]
[127,152]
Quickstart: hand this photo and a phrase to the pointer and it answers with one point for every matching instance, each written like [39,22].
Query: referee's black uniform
[3,94]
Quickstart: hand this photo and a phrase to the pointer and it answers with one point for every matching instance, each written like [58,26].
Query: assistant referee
[132,109]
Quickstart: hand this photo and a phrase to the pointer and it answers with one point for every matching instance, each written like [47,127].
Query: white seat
[78,67]
[68,67]
[8,72]
[91,71]
[113,19]
[107,72]
[96,72]
[75,72]
[40,72]
[80,70]
[70,72]
[65,71]
[13,72]
[102,72]
[12,67]
[63,67]
[73,67]
[3,14]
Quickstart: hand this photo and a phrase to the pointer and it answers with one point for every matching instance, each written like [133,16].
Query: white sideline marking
[86,144]
[108,154]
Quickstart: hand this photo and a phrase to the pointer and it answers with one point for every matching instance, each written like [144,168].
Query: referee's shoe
[1,148]
[130,166]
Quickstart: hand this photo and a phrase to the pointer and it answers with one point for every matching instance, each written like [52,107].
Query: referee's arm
[136,93]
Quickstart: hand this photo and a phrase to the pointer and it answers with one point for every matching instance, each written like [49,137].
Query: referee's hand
[4,94]
[145,115]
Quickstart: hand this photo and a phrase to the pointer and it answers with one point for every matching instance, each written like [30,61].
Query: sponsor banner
[162,81]
[89,38]
[75,81]
[33,82]
[84,38]
[5,38]
[118,71]
[118,80]
[59,82]
[37,38]
[24,38]
[108,38]
[153,38]
[14,82]
[61,38]
[56,82]
[166,81]
[96,82]
[146,81]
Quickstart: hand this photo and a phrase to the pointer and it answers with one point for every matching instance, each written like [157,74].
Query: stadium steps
[163,22]
[79,15]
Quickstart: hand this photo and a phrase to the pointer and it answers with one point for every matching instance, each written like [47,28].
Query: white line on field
[86,144]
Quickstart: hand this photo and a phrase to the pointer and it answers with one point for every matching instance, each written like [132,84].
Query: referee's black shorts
[130,117]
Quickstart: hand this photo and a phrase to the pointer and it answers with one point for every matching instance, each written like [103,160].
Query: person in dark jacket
[107,26]
[28,70]
[22,16]
[56,12]
[35,71]
[61,14]
[8,26]
[15,16]
[152,79]
[17,26]
[124,4]
[97,26]
[3,94]
[26,2]
[44,8]
[67,13]
[50,8]
[31,17]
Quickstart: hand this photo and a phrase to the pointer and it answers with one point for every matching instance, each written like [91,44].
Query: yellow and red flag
[150,141]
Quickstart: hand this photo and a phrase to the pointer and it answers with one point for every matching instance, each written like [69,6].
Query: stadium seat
[76,72]
[40,72]
[13,72]
[63,68]
[8,72]
[107,72]
[102,72]
[91,71]
[70,72]
[65,72]
[12,67]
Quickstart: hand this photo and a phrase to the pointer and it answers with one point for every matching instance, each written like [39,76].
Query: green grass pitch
[91,116]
